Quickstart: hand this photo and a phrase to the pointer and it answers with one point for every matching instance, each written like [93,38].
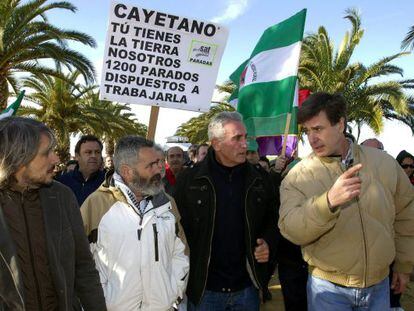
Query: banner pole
[285,135]
[153,122]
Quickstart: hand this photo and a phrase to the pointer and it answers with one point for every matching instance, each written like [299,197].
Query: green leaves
[196,128]
[408,42]
[26,36]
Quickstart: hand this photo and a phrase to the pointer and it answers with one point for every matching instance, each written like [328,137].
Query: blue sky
[385,22]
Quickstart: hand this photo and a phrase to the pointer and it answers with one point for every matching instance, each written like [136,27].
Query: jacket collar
[76,173]
[215,165]
[206,166]
[351,158]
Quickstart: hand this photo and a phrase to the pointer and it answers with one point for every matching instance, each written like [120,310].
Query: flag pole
[153,122]
[285,135]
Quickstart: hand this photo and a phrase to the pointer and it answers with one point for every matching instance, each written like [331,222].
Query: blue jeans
[244,300]
[324,295]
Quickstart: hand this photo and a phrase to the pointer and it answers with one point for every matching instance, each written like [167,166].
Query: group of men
[210,244]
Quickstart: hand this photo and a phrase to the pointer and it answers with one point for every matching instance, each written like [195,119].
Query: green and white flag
[235,78]
[268,79]
[12,109]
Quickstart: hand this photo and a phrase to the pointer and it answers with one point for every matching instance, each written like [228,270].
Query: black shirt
[227,269]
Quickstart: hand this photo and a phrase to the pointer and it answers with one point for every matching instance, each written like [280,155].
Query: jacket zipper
[363,237]
[250,238]
[365,243]
[154,228]
[39,300]
[211,236]
[139,231]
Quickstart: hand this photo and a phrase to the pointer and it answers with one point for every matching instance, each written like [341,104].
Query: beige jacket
[355,245]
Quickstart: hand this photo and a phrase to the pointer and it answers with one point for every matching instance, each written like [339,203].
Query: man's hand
[261,251]
[399,282]
[346,187]
[280,164]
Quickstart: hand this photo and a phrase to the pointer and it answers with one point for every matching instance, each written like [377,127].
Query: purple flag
[272,145]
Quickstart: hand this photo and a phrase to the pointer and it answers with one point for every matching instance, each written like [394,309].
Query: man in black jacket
[45,261]
[87,175]
[229,214]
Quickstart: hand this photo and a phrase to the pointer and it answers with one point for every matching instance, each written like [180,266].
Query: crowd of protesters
[146,229]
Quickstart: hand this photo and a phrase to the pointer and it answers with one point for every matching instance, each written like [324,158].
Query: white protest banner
[159,59]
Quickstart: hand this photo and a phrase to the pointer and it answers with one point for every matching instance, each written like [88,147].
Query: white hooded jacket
[142,259]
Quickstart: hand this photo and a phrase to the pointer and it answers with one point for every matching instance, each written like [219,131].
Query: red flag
[303,94]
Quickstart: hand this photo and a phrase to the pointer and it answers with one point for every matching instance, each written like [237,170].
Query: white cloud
[234,9]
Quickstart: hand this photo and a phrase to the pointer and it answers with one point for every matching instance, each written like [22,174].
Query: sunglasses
[407,165]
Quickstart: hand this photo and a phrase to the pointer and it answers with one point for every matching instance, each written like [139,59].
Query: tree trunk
[4,93]
[109,146]
[63,153]
[62,147]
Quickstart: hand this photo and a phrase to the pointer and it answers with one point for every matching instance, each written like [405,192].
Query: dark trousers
[293,279]
[243,300]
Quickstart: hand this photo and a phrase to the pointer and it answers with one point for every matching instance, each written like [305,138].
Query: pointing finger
[352,170]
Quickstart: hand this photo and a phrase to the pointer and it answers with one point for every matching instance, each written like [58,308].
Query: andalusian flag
[267,85]
[11,110]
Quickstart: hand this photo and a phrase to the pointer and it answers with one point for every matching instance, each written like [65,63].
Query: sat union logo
[202,53]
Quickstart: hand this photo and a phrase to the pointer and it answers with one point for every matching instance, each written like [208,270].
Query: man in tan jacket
[351,208]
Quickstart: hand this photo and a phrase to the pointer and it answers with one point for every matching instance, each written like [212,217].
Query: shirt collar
[348,161]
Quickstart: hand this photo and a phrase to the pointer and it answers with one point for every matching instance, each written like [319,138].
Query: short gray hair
[127,150]
[217,123]
[19,141]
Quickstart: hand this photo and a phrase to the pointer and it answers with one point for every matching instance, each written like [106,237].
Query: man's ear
[77,156]
[342,124]
[215,143]
[126,173]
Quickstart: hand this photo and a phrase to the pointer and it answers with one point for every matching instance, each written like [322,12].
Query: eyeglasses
[407,165]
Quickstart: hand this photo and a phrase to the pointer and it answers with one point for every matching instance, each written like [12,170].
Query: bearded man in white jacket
[135,234]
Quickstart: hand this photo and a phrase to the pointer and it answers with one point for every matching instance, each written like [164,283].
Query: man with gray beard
[135,234]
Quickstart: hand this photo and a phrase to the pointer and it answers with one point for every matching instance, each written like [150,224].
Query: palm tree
[227,87]
[68,107]
[196,128]
[27,38]
[118,121]
[369,101]
[57,106]
[408,41]
[407,119]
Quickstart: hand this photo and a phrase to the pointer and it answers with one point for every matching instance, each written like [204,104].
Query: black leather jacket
[196,200]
